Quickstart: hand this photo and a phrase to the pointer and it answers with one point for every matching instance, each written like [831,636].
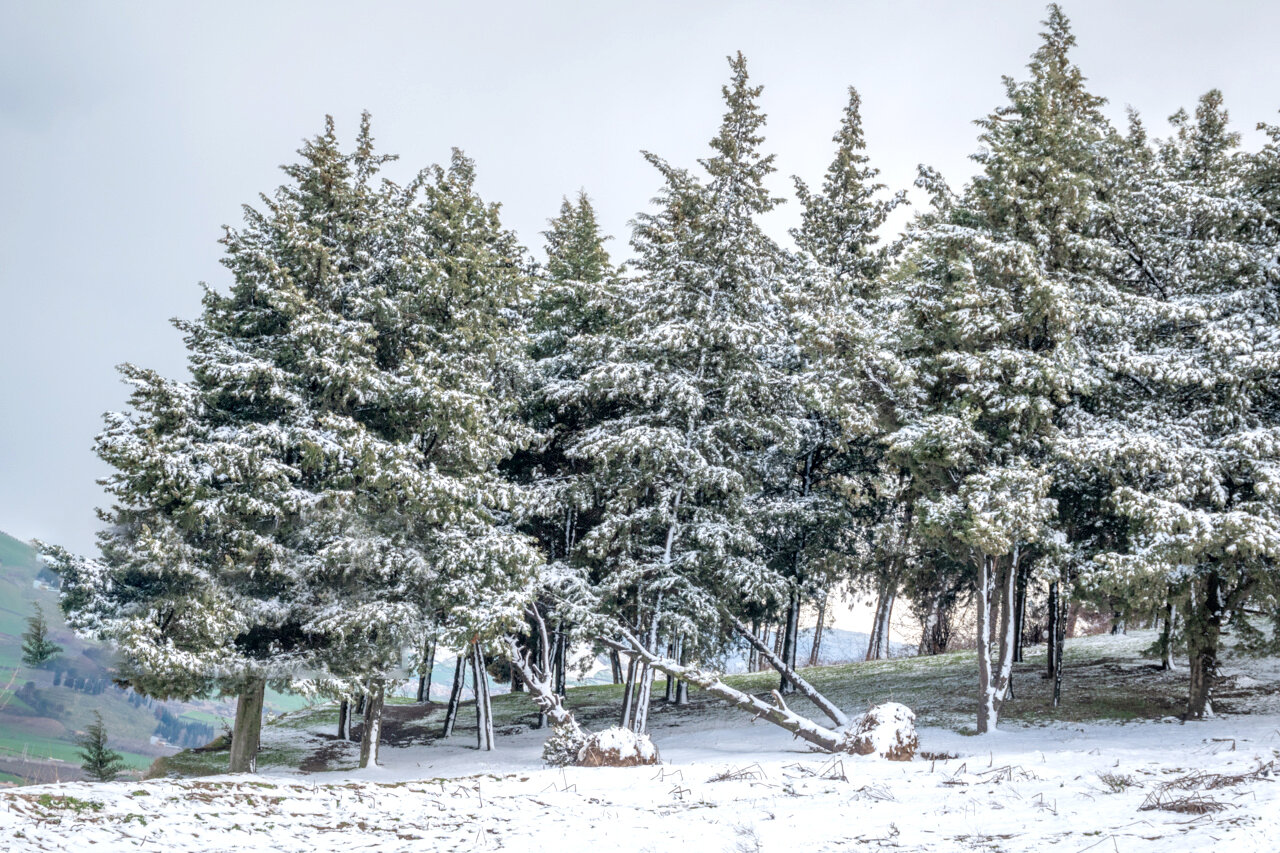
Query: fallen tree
[830,740]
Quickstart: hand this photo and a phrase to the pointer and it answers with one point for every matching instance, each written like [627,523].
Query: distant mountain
[42,710]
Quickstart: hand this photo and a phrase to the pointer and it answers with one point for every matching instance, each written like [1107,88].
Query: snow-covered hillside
[728,784]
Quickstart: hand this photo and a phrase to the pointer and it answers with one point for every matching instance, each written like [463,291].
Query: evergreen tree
[37,648]
[992,285]
[846,379]
[100,762]
[1184,425]
[694,376]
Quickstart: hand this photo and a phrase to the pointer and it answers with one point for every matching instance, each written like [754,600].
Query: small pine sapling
[37,648]
[101,763]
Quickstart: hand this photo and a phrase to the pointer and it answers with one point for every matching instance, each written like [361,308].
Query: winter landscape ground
[1084,777]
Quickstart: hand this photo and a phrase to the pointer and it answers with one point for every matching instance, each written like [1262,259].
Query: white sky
[130,132]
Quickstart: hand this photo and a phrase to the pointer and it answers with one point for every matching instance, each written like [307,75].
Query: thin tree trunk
[455,696]
[641,724]
[808,690]
[1168,617]
[1054,619]
[1060,645]
[562,652]
[344,714]
[615,665]
[484,709]
[682,686]
[629,691]
[424,679]
[670,692]
[1020,616]
[817,629]
[789,636]
[753,657]
[247,731]
[371,735]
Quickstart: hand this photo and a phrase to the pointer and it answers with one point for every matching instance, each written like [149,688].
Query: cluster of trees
[401,432]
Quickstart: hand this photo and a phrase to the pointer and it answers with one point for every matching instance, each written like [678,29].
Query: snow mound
[617,747]
[887,730]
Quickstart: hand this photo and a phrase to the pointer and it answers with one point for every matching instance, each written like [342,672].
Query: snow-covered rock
[617,747]
[887,730]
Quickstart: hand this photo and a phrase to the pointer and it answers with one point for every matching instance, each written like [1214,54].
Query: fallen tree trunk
[808,690]
[778,713]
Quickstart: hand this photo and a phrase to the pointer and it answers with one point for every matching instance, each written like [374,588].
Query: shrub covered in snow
[561,749]
[617,747]
[887,730]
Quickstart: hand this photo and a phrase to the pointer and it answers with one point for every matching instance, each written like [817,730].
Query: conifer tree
[992,294]
[695,381]
[37,648]
[1183,426]
[846,378]
[100,762]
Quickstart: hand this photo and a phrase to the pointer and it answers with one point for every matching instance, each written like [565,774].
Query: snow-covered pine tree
[842,372]
[413,535]
[992,286]
[1184,424]
[575,311]
[697,395]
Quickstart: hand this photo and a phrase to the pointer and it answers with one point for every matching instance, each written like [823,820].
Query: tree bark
[615,666]
[1167,619]
[344,714]
[424,678]
[371,735]
[540,689]
[790,635]
[818,629]
[996,581]
[247,731]
[484,708]
[878,644]
[455,696]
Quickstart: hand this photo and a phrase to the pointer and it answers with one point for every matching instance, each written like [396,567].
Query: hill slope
[42,710]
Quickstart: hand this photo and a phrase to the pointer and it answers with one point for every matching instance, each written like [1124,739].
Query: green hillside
[39,719]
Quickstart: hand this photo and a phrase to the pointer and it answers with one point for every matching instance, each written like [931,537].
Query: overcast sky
[131,132]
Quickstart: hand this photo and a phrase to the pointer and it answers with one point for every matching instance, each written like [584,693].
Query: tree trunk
[682,686]
[1054,619]
[673,652]
[790,634]
[540,690]
[344,714]
[247,731]
[562,652]
[615,666]
[1168,617]
[424,679]
[1060,645]
[1020,616]
[455,696]
[1204,632]
[629,692]
[484,708]
[808,690]
[817,630]
[996,582]
[878,645]
[371,736]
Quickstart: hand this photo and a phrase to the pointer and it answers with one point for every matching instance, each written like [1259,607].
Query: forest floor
[1112,769]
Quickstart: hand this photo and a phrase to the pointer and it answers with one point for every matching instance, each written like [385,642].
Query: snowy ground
[726,785]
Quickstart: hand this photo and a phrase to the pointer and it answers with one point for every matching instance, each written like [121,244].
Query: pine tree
[846,379]
[37,648]
[694,380]
[993,280]
[100,762]
[1183,426]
